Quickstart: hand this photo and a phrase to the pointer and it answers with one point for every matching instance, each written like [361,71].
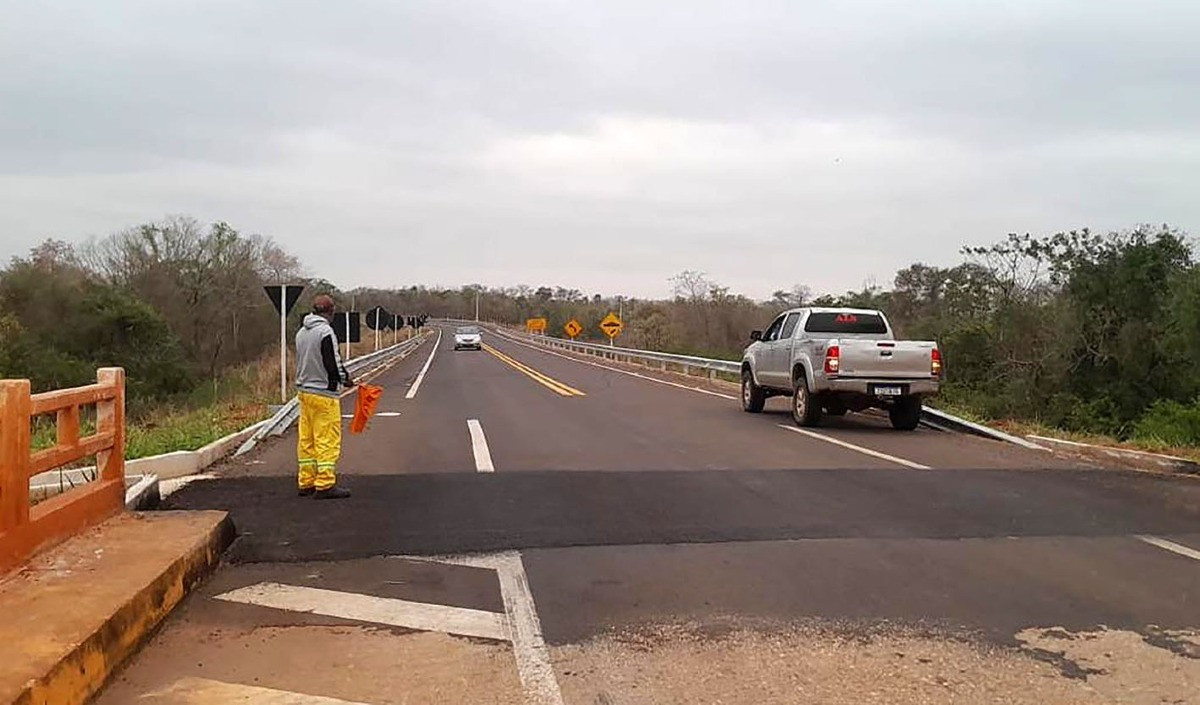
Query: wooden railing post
[14,453]
[110,416]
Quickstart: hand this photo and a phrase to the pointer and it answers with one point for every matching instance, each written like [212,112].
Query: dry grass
[1026,428]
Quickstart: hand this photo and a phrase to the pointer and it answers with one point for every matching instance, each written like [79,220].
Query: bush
[1170,423]
[1099,415]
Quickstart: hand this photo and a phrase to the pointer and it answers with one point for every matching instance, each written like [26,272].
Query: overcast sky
[601,145]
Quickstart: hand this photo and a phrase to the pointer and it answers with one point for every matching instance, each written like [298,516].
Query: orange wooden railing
[25,529]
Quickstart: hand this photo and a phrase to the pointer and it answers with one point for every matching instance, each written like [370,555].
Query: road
[529,527]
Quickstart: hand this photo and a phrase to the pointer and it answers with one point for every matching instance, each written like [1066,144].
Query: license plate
[888,391]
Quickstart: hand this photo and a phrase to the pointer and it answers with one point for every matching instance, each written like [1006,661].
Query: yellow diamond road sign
[611,325]
[573,328]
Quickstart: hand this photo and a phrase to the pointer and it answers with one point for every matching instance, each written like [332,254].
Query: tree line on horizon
[1078,330]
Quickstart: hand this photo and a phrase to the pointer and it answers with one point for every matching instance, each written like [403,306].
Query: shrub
[1170,423]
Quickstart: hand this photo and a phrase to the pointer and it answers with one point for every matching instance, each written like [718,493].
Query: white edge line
[1171,546]
[850,446]
[416,385]
[377,610]
[534,666]
[479,447]
[617,369]
[860,449]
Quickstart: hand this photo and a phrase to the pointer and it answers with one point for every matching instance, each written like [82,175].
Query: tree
[797,296]
[206,283]
[691,286]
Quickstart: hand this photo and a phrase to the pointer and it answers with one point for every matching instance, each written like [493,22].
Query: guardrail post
[110,416]
[712,374]
[15,406]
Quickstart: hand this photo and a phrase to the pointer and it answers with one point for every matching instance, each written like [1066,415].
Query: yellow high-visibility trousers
[320,440]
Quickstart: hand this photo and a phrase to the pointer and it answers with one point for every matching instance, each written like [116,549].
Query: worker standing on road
[319,375]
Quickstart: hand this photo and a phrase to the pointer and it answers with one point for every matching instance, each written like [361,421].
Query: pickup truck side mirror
[755,335]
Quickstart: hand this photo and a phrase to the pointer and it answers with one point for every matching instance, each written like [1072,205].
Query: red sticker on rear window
[847,318]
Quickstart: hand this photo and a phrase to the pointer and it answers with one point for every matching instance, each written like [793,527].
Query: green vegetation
[1086,334]
[180,307]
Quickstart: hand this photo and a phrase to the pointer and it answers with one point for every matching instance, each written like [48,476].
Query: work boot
[332,493]
[306,491]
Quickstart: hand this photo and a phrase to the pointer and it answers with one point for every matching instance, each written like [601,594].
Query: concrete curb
[83,670]
[143,494]
[1143,460]
[949,422]
[180,463]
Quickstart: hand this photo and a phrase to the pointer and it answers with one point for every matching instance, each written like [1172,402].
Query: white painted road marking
[617,369]
[416,385]
[525,627]
[811,434]
[377,414]
[479,446]
[860,449]
[202,691]
[533,658]
[1172,547]
[378,610]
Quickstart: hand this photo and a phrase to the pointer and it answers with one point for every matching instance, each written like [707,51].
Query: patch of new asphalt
[479,512]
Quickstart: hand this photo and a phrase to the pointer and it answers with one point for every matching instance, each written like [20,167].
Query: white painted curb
[1170,463]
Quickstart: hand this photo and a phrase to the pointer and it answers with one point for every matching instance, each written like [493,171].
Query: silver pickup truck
[834,360]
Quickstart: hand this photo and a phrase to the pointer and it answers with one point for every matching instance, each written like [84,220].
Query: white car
[468,338]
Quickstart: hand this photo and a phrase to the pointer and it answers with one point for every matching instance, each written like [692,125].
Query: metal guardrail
[289,412]
[618,354]
[930,416]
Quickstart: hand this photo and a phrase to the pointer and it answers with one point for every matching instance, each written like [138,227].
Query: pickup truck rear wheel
[806,411]
[754,397]
[905,413]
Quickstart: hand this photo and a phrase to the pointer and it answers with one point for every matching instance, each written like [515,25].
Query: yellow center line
[533,374]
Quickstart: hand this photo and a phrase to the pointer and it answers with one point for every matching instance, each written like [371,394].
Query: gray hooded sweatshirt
[319,368]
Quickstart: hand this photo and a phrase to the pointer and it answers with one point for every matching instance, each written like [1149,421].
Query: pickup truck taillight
[832,360]
[935,363]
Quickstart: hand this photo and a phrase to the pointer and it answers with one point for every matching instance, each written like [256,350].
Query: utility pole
[476,304]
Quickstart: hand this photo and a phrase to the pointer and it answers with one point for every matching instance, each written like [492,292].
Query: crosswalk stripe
[379,610]
[202,691]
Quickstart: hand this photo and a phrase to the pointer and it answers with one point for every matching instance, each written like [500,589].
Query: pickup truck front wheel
[806,411]
[905,413]
[754,397]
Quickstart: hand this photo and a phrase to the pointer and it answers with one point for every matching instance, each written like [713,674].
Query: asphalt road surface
[528,527]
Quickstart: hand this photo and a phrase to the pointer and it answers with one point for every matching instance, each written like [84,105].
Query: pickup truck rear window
[865,323]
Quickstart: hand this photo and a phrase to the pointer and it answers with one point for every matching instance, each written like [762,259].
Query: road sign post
[612,327]
[347,326]
[376,319]
[284,298]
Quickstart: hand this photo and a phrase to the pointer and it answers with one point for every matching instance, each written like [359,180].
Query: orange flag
[364,406]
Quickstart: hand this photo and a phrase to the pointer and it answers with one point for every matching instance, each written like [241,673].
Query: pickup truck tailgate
[885,359]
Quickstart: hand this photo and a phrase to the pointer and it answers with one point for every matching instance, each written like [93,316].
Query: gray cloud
[603,145]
